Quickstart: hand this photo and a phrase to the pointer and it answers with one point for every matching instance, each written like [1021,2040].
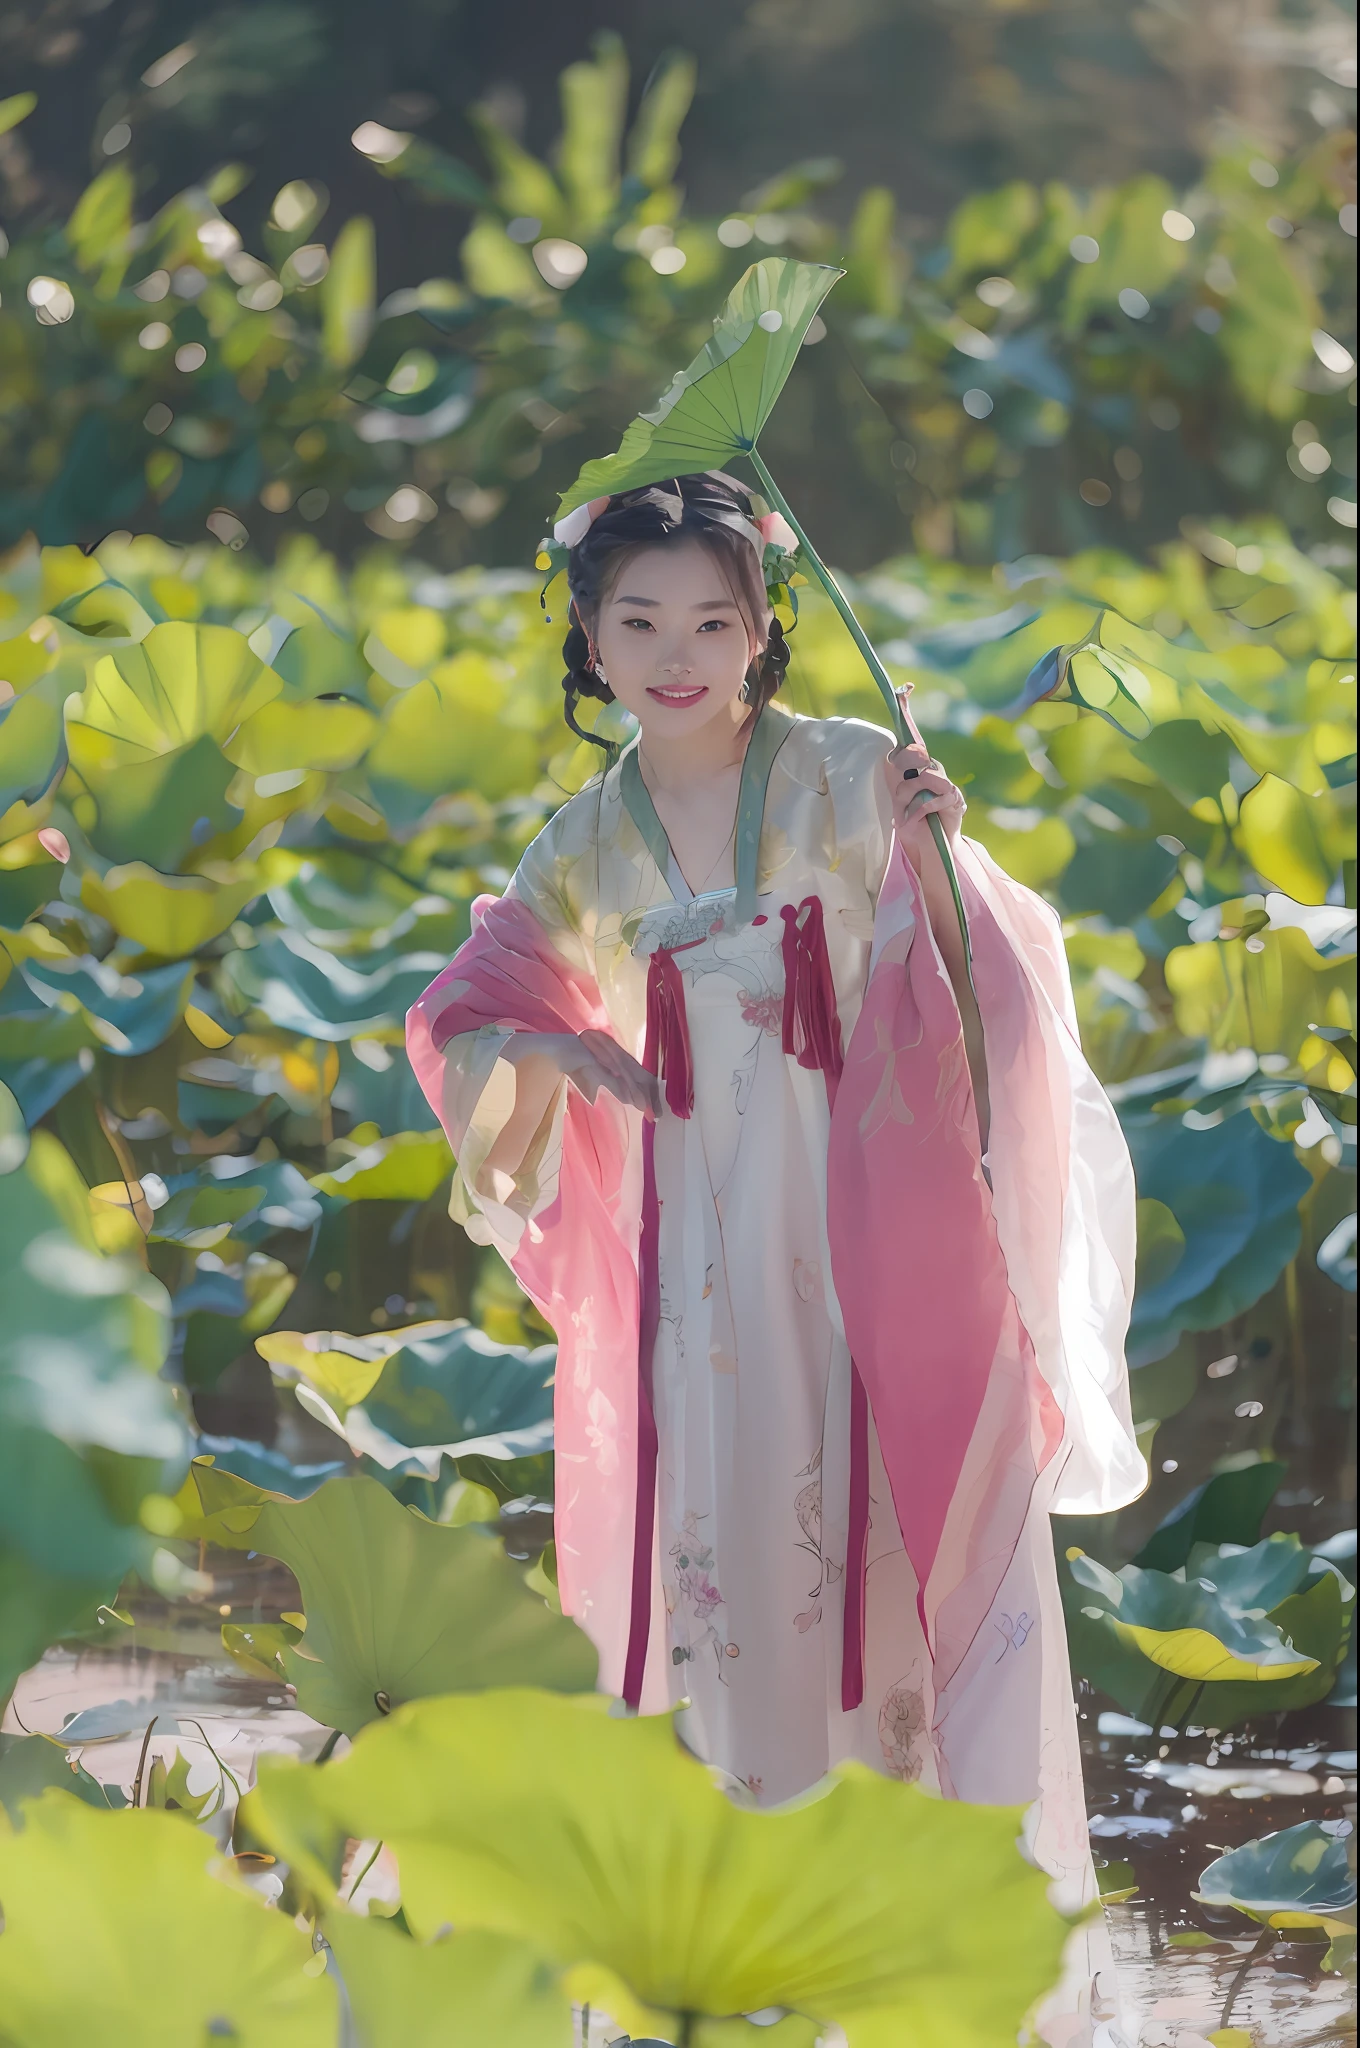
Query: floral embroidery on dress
[902,1733]
[807,1507]
[1014,1631]
[765,1012]
[697,1598]
[807,1280]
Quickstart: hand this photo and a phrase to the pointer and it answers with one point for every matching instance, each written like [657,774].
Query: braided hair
[686,508]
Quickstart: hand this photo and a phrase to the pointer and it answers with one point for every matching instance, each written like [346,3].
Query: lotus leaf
[269,1470]
[31,1764]
[285,1201]
[86,1427]
[444,1387]
[317,660]
[1035,855]
[1267,999]
[24,659]
[397,1607]
[305,989]
[445,734]
[1234,1194]
[1299,1877]
[32,740]
[42,1055]
[1319,1620]
[341,1367]
[1285,836]
[714,410]
[1182,1625]
[1336,1254]
[377,1086]
[475,1986]
[134,1012]
[405,1168]
[107,611]
[156,809]
[285,735]
[181,683]
[1191,761]
[169,915]
[1118,874]
[1097,676]
[1227,1509]
[124,1928]
[1251,1578]
[335,897]
[13,1132]
[30,876]
[866,1903]
[145,737]
[200,1213]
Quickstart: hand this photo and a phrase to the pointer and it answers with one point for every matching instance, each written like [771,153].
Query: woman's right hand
[590,1060]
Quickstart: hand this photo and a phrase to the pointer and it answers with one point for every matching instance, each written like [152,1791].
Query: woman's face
[673,642]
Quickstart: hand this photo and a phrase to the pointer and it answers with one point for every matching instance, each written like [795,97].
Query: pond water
[1166,1808]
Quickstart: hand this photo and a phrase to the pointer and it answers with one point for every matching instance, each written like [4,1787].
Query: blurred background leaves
[1100,278]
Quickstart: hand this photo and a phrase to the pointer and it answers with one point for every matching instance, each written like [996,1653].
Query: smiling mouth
[678,693]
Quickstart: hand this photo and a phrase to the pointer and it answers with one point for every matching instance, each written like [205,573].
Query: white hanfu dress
[752,1394]
[751,1370]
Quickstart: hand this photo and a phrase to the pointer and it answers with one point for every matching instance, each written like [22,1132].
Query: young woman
[836,1231]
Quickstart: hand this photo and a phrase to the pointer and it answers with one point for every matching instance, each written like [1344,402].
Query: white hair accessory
[772,528]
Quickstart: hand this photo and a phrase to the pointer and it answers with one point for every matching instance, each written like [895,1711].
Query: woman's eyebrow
[705,604]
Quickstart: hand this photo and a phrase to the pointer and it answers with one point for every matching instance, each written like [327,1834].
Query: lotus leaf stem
[1263,1941]
[903,723]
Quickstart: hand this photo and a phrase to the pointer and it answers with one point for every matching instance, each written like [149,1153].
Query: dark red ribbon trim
[812,1035]
[812,1025]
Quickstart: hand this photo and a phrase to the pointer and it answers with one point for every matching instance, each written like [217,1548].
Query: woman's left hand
[919,786]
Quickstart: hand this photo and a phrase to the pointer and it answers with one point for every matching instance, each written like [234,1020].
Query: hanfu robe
[824,1371]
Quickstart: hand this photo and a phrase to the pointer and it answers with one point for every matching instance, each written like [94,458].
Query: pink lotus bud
[54,842]
[774,530]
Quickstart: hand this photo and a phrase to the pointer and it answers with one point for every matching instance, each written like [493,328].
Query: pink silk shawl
[986,1322]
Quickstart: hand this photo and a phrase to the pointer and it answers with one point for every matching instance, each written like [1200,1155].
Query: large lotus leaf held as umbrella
[714,410]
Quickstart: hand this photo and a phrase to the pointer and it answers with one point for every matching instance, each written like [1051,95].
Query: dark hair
[685,508]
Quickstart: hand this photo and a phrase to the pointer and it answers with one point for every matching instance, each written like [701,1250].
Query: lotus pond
[276,1469]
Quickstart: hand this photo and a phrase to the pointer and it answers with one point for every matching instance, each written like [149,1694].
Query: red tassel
[812,1025]
[667,1049]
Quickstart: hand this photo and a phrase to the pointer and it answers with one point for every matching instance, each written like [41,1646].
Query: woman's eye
[645,623]
[713,626]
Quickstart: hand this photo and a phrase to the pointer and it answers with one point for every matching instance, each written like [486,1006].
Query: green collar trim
[772,729]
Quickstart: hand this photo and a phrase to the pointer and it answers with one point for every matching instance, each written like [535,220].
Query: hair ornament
[775,542]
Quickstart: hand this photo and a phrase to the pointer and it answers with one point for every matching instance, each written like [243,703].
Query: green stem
[377,1852]
[1263,1941]
[904,725]
[324,1753]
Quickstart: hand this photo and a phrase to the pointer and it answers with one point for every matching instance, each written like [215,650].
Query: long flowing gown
[751,1373]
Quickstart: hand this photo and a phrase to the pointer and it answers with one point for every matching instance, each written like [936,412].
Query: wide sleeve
[522,970]
[1062,1186]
